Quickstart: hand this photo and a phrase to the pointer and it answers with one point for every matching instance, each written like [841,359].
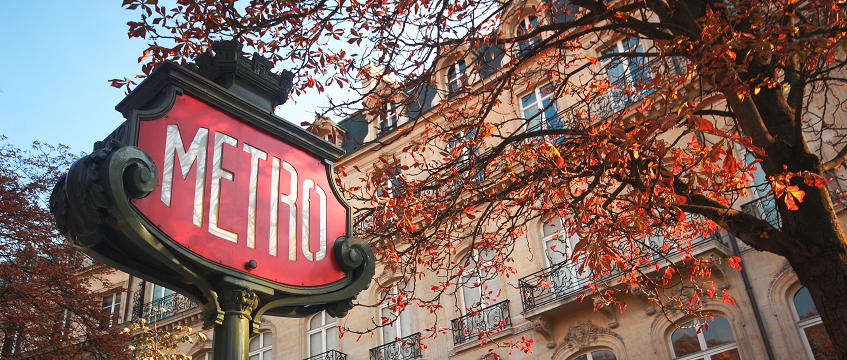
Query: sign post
[205,191]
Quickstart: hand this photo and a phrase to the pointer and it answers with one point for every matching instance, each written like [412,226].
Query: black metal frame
[329,355]
[406,348]
[161,308]
[475,325]
[562,280]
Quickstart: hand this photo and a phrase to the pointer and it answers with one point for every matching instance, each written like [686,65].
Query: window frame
[456,79]
[483,286]
[705,352]
[541,116]
[589,354]
[398,320]
[322,329]
[262,348]
[390,119]
[114,308]
[526,25]
[203,356]
[805,323]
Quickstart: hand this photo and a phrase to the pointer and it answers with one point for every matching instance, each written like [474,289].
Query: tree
[679,104]
[47,309]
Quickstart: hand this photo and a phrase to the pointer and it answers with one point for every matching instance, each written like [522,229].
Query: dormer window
[389,122]
[526,25]
[455,77]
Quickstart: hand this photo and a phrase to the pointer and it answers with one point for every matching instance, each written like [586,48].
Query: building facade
[772,315]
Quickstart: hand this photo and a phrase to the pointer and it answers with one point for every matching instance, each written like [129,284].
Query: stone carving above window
[584,334]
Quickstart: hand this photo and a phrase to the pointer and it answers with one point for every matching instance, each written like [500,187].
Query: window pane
[315,322]
[581,357]
[528,100]
[804,304]
[685,342]
[559,253]
[267,339]
[332,338]
[253,357]
[254,343]
[315,344]
[727,355]
[603,355]
[405,323]
[470,292]
[389,334]
[819,342]
[719,332]
[267,355]
[551,226]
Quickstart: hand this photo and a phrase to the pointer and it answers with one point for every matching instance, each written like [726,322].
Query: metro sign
[232,193]
[205,191]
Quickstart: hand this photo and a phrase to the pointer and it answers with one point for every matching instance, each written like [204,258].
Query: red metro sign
[232,193]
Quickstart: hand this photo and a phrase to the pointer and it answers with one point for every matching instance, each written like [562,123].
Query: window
[624,73]
[564,10]
[389,122]
[597,355]
[526,25]
[472,292]
[540,110]
[456,77]
[817,342]
[203,356]
[463,146]
[764,207]
[112,305]
[323,334]
[628,70]
[716,343]
[402,326]
[557,244]
[261,347]
[162,300]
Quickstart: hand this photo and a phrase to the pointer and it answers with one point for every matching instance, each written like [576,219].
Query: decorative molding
[718,269]
[642,295]
[608,311]
[543,327]
[583,334]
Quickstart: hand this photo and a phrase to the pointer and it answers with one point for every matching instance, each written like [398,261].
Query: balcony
[764,208]
[329,355]
[477,325]
[563,281]
[406,348]
[161,308]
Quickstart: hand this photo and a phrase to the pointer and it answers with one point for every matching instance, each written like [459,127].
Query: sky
[55,63]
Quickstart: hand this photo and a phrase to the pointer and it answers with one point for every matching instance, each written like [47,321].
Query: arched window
[323,334]
[203,356]
[455,77]
[261,347]
[716,343]
[818,345]
[526,25]
[597,355]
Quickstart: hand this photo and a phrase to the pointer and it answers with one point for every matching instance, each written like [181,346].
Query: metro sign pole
[203,190]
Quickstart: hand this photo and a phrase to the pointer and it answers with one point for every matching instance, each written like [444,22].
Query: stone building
[773,315]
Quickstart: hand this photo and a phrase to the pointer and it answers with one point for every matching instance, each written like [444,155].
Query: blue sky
[55,63]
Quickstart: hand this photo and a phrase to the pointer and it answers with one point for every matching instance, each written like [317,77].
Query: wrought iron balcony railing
[161,308]
[473,326]
[764,208]
[406,348]
[329,355]
[564,280]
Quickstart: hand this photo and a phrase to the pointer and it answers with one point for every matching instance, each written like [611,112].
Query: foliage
[154,343]
[676,106]
[46,308]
